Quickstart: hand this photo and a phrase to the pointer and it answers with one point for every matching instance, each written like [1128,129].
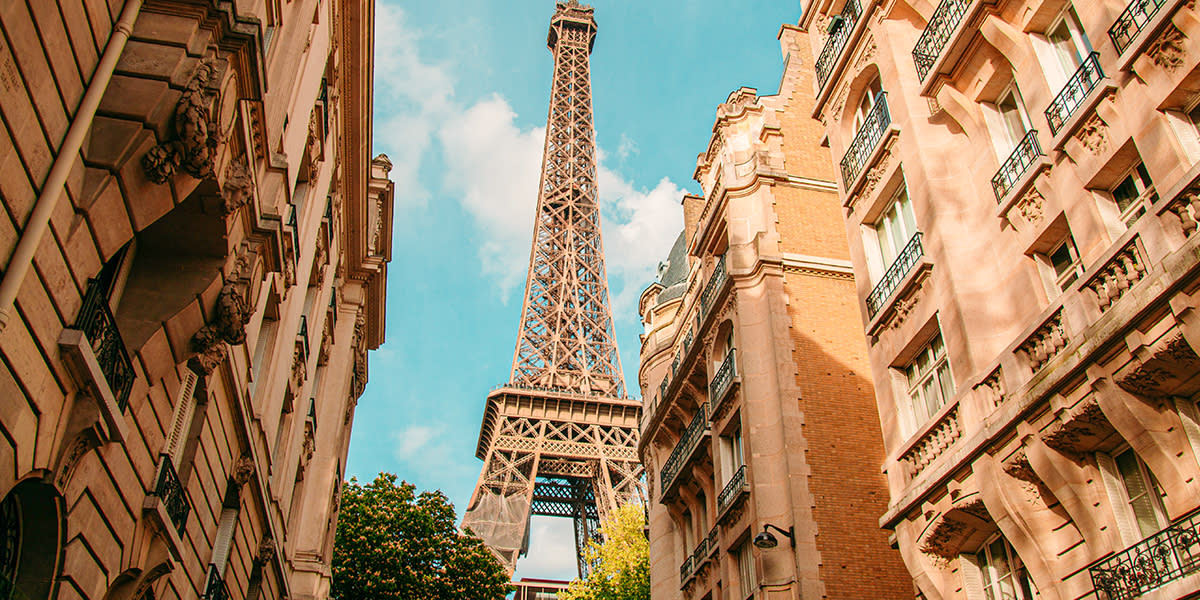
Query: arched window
[870,96]
[30,518]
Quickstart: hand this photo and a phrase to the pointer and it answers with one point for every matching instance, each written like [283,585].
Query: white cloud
[626,148]
[413,442]
[551,550]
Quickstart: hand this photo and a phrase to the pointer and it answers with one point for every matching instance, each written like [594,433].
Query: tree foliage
[620,564]
[393,543]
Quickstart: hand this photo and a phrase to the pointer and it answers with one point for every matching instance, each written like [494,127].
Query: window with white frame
[895,229]
[870,96]
[1143,494]
[1014,119]
[1063,259]
[731,454]
[1070,46]
[745,564]
[1004,575]
[1133,193]
[930,384]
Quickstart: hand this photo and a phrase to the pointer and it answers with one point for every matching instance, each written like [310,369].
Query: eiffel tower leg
[586,528]
[500,506]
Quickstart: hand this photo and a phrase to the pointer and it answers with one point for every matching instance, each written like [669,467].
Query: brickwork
[239,382]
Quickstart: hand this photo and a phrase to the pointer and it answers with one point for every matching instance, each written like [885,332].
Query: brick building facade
[1019,184]
[194,254]
[759,400]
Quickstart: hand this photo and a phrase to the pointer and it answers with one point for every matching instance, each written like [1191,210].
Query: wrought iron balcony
[1155,561]
[1132,20]
[900,268]
[732,489]
[714,285]
[1018,163]
[704,550]
[722,380]
[170,492]
[839,31]
[937,34]
[685,571]
[1077,88]
[865,140]
[691,437]
[98,325]
[215,588]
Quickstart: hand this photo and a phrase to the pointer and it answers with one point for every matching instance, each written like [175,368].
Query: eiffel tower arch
[560,438]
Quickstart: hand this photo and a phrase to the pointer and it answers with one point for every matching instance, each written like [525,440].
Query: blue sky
[461,93]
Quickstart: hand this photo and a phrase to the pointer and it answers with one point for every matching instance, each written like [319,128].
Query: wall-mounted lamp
[765,540]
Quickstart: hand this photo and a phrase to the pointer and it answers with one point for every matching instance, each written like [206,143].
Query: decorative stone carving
[316,137]
[243,470]
[227,326]
[326,341]
[238,187]
[266,550]
[867,55]
[993,388]
[1167,51]
[944,539]
[840,103]
[1018,467]
[1093,134]
[358,381]
[1169,366]
[1031,206]
[1078,431]
[873,177]
[83,443]
[299,369]
[196,132]
[208,359]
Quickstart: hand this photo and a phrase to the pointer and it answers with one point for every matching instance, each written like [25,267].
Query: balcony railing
[839,31]
[171,493]
[722,380]
[1155,561]
[215,588]
[937,34]
[97,323]
[687,443]
[1018,163]
[865,140]
[700,555]
[685,571]
[1132,20]
[714,284]
[1077,88]
[896,273]
[731,490]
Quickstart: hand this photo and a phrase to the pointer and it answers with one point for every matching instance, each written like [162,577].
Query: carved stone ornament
[298,368]
[1031,206]
[1078,432]
[867,55]
[243,470]
[949,531]
[266,550]
[316,134]
[227,326]
[358,382]
[196,132]
[993,388]
[1018,467]
[326,342]
[1093,134]
[238,188]
[874,176]
[836,111]
[1169,366]
[1167,51]
[81,445]
[903,307]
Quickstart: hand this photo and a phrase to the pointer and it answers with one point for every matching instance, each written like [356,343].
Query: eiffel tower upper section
[566,340]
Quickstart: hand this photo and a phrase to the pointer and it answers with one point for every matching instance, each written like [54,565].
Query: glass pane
[999,557]
[943,374]
[1061,259]
[1011,113]
[1143,177]
[1125,193]
[933,399]
[906,215]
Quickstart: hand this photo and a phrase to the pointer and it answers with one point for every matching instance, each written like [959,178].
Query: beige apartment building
[1018,180]
[194,256]
[759,435]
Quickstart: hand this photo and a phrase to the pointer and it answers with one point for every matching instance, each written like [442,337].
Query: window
[745,564]
[1142,493]
[1194,117]
[1064,259]
[895,228]
[930,384]
[731,453]
[1014,118]
[1133,193]
[1004,576]
[1070,45]
[869,98]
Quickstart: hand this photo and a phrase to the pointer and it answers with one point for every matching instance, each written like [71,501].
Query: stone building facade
[759,408]
[194,256]
[1019,184]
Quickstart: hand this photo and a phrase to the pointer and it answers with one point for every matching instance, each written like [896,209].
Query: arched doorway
[30,540]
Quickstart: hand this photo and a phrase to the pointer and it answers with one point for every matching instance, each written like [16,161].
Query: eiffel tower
[560,438]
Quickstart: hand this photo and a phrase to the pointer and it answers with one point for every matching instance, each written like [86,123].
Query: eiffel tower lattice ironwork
[560,438]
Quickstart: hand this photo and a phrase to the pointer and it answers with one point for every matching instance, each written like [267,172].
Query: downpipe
[52,190]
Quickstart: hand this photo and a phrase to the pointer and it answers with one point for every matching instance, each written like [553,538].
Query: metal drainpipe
[39,220]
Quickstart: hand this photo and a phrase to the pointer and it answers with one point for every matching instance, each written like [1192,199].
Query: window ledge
[1085,109]
[153,506]
[956,46]
[1148,34]
[914,279]
[82,360]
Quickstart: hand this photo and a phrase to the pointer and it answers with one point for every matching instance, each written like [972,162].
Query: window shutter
[180,423]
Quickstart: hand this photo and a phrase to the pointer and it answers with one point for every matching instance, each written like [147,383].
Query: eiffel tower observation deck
[560,437]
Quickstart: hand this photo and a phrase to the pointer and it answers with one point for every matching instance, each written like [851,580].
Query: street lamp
[765,540]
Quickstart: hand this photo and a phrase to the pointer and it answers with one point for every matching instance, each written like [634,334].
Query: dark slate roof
[673,272]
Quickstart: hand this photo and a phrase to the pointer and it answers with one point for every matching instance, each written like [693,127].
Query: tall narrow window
[930,383]
[1014,117]
[731,454]
[869,98]
[1064,259]
[1133,193]
[1070,45]
[1004,575]
[895,227]
[1142,493]
[745,564]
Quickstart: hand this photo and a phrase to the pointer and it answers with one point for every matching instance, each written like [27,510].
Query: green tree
[620,564]
[395,544]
